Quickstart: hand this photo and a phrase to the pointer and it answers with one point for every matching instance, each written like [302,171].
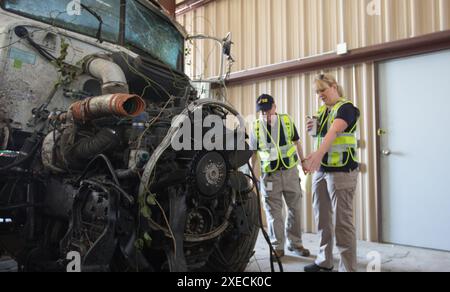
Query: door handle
[386,152]
[381,132]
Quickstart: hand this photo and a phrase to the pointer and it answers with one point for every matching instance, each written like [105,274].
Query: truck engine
[90,105]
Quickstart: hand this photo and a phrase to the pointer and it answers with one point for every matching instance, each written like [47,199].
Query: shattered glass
[153,34]
[69,15]
[144,29]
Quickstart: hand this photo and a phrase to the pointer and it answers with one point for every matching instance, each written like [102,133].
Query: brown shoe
[277,253]
[300,251]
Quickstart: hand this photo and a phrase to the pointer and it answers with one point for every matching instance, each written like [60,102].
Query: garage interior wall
[272,31]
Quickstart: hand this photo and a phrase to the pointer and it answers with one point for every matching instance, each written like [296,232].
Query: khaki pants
[283,183]
[333,209]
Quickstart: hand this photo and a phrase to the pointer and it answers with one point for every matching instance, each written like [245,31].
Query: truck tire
[233,252]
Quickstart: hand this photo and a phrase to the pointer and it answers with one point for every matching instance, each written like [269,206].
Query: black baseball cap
[264,103]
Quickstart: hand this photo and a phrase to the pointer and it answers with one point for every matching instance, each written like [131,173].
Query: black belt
[278,169]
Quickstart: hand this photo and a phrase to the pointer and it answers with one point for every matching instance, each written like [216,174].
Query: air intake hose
[86,149]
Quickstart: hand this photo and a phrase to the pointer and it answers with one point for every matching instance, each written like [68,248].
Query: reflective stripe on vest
[344,143]
[274,152]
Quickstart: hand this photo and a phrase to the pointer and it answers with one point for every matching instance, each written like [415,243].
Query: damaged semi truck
[89,91]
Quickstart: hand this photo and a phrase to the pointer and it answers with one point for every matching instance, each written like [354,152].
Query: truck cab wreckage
[89,105]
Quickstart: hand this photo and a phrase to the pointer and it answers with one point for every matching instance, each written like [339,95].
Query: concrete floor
[393,258]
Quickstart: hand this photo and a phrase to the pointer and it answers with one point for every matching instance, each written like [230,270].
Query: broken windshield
[145,29]
[151,33]
[70,15]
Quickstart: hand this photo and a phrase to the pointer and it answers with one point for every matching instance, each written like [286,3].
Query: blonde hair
[325,81]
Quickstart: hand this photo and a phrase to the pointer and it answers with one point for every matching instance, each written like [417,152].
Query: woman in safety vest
[335,167]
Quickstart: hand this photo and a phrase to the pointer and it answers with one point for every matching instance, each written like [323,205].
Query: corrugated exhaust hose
[120,105]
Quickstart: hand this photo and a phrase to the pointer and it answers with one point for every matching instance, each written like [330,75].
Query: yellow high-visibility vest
[271,152]
[345,142]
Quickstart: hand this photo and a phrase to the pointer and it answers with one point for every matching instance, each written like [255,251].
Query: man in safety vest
[276,141]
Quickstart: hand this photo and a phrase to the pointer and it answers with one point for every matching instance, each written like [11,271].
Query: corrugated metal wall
[272,31]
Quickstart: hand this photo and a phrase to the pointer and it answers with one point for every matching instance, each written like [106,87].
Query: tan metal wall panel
[271,31]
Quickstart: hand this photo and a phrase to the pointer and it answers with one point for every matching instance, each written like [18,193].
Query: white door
[415,159]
